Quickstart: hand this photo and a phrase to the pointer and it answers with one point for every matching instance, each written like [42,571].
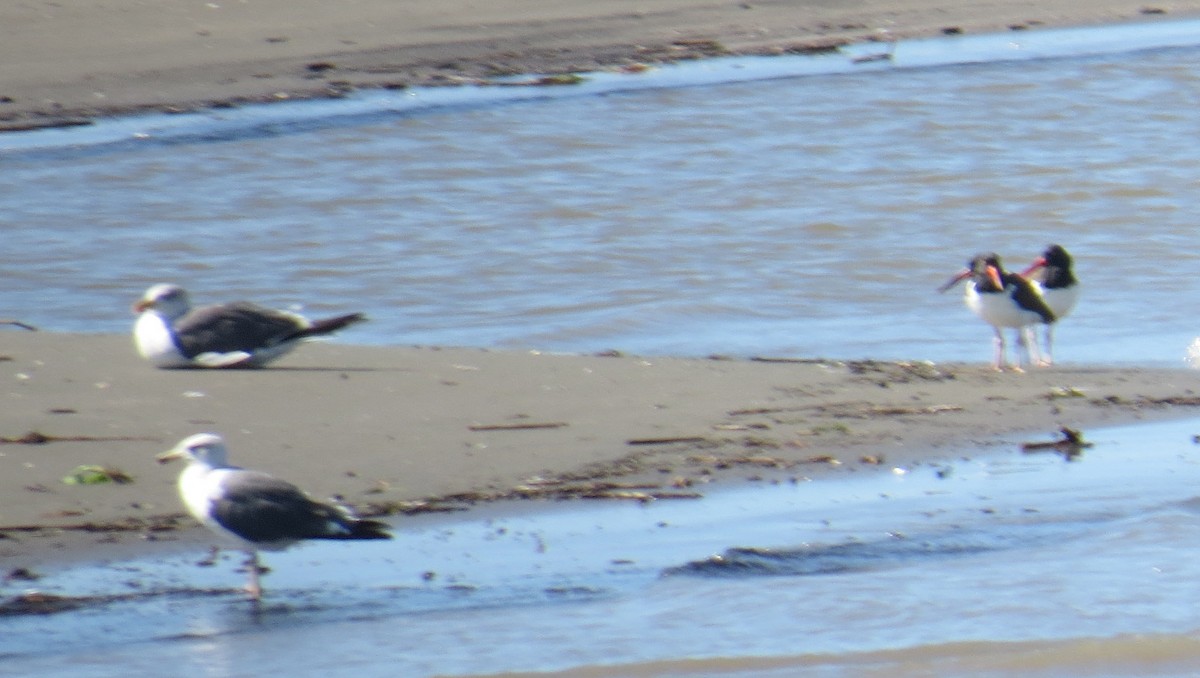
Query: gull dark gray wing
[263,509]
[240,326]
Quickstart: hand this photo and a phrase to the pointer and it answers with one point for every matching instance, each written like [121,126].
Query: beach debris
[892,411]
[540,81]
[822,429]
[518,427]
[39,438]
[725,463]
[36,602]
[152,524]
[412,507]
[1190,401]
[741,427]
[17,323]
[33,125]
[820,46]
[559,79]
[823,459]
[42,603]
[95,474]
[668,441]
[1065,392]
[1070,446]
[879,56]
[21,574]
[538,488]
[1143,401]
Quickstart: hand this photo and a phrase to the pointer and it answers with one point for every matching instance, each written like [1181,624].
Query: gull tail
[369,529]
[366,529]
[327,326]
[343,524]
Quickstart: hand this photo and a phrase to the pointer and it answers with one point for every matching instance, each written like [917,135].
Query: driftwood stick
[18,323]
[516,427]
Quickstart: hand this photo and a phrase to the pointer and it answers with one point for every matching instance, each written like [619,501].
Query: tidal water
[807,216]
[1005,564]
[810,213]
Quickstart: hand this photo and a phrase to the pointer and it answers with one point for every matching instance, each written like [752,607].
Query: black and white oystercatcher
[172,334]
[1058,286]
[1002,300]
[253,510]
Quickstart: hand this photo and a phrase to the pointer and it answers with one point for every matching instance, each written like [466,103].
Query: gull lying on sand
[172,334]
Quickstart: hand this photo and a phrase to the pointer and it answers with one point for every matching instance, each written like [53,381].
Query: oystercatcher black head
[1056,263]
[981,272]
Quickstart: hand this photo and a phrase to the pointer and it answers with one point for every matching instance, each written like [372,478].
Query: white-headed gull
[256,511]
[172,334]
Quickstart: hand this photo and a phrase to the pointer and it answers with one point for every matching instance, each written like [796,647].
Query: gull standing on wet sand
[1058,286]
[254,510]
[1002,300]
[171,334]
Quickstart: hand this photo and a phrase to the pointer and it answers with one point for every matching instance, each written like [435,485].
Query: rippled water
[803,216]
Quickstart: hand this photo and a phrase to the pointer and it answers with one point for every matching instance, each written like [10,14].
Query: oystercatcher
[1058,286]
[1001,299]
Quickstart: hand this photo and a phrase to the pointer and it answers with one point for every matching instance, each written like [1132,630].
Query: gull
[1002,300]
[1058,286]
[253,510]
[171,334]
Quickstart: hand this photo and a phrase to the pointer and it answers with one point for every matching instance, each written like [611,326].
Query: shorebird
[1058,286]
[172,334]
[1002,300]
[253,510]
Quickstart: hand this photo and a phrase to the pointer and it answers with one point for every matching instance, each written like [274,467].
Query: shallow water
[792,216]
[1000,564]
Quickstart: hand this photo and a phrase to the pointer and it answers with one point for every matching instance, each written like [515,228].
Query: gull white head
[202,448]
[169,301]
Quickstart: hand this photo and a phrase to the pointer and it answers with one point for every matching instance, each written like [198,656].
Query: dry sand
[410,429]
[78,59]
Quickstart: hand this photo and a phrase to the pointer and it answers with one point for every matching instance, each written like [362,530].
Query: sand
[394,430]
[72,61]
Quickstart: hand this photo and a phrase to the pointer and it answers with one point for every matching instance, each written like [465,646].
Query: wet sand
[408,429]
[65,63]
